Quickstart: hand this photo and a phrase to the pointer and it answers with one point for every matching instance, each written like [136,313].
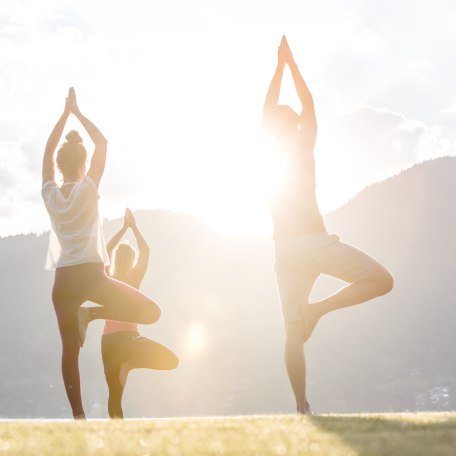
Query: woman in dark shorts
[122,347]
[77,250]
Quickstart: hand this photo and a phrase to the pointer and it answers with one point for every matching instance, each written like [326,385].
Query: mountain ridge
[387,355]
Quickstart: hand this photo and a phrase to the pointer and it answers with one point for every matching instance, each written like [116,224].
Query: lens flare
[196,338]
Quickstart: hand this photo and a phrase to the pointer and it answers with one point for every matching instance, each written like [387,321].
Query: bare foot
[310,317]
[304,409]
[83,323]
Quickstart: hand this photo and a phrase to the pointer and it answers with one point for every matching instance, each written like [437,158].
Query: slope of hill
[394,353]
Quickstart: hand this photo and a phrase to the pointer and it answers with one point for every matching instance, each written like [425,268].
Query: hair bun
[73,137]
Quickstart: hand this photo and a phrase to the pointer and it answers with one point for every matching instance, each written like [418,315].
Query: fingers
[132,217]
[72,100]
[129,217]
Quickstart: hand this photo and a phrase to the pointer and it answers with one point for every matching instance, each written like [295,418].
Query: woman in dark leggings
[122,348]
[77,251]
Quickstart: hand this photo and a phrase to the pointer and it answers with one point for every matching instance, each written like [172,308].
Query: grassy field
[332,435]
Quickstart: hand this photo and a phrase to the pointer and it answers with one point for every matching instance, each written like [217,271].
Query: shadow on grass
[390,435]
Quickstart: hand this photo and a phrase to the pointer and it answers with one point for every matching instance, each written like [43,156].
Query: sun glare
[240,198]
[196,338]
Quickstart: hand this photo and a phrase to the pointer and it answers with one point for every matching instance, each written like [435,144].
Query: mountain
[221,315]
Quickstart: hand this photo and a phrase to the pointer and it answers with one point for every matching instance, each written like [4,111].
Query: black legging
[75,285]
[129,348]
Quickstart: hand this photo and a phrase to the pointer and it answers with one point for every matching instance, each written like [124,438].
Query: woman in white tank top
[77,249]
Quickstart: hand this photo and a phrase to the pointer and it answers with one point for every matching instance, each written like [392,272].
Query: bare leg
[296,364]
[115,395]
[72,287]
[148,354]
[121,302]
[379,283]
[125,350]
[70,359]
[143,353]
[118,301]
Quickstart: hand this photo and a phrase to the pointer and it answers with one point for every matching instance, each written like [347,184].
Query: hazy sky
[177,87]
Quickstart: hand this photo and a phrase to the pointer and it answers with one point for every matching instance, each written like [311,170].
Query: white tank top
[75,235]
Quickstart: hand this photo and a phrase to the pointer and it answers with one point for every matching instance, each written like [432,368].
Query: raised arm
[143,260]
[112,244]
[307,118]
[273,94]
[97,164]
[48,171]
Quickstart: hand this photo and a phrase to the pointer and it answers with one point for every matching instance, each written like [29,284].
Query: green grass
[332,435]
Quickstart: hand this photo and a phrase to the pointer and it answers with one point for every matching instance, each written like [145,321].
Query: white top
[76,235]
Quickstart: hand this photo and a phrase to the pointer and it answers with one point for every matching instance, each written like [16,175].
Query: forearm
[301,87]
[51,145]
[141,241]
[272,97]
[95,134]
[56,134]
[111,245]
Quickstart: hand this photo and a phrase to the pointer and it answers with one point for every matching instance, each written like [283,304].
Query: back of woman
[76,236]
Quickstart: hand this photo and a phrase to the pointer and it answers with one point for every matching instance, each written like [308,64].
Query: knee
[173,362]
[151,313]
[384,282]
[294,335]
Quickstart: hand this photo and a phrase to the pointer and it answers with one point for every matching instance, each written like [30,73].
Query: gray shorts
[299,260]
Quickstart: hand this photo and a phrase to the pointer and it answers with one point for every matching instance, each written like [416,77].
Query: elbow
[384,282]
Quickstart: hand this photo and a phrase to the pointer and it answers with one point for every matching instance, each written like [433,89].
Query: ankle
[304,408]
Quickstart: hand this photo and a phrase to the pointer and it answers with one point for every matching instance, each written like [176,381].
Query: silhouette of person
[77,250]
[303,247]
[122,347]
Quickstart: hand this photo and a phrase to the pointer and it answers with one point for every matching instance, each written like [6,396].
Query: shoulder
[88,181]
[50,183]
[48,187]
[88,186]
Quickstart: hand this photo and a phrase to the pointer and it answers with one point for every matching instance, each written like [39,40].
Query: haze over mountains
[392,354]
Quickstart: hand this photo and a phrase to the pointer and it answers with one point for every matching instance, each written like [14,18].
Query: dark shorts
[137,351]
[116,349]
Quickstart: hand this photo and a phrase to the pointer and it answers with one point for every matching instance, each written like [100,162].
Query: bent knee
[173,362]
[384,282]
[151,313]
